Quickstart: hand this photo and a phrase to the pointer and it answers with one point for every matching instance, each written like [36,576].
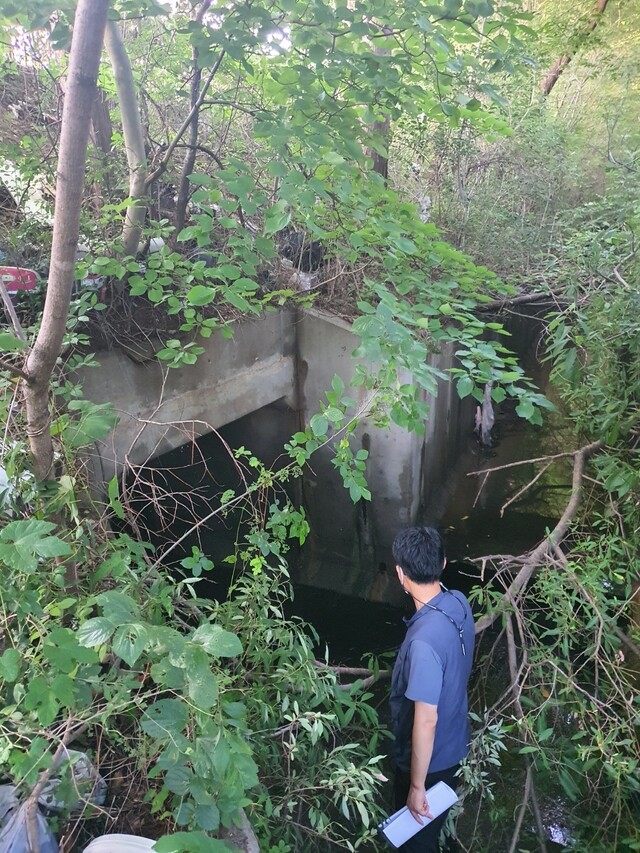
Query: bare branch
[522,462]
[531,561]
[5,365]
[162,166]
[521,491]
[11,312]
[563,61]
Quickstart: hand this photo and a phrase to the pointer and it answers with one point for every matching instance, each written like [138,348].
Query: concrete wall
[161,409]
[350,545]
[292,357]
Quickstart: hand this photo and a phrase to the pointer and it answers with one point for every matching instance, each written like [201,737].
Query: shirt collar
[434,602]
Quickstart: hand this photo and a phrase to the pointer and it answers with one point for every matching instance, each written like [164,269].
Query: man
[429,684]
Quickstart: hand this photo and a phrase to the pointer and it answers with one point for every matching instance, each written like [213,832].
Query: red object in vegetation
[18,278]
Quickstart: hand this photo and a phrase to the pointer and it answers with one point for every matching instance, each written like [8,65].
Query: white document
[402,825]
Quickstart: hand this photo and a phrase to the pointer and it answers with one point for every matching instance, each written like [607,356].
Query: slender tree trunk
[190,157]
[561,63]
[84,62]
[133,138]
[102,131]
[382,127]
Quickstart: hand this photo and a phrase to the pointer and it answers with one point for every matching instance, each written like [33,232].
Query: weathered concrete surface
[349,548]
[292,357]
[161,409]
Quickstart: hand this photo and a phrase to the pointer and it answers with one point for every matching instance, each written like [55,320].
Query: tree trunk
[133,138]
[190,157]
[84,62]
[561,63]
[382,127]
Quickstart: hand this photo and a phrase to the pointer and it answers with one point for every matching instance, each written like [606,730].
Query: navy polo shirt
[432,668]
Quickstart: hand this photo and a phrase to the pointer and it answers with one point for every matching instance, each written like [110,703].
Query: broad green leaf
[189,842]
[207,817]
[118,607]
[129,641]
[277,217]
[40,698]
[525,409]
[202,686]
[9,342]
[216,641]
[238,301]
[95,422]
[165,719]
[63,687]
[201,295]
[319,425]
[10,661]
[464,386]
[23,542]
[95,632]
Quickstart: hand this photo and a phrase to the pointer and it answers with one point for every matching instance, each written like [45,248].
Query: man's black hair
[419,553]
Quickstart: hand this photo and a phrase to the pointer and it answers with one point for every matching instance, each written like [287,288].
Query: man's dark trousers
[425,841]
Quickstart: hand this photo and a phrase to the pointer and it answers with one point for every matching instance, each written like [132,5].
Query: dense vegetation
[454,161]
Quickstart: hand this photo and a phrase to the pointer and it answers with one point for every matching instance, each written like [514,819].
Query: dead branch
[162,166]
[531,561]
[523,462]
[69,734]
[529,789]
[524,489]
[522,299]
[578,40]
[11,368]
[11,312]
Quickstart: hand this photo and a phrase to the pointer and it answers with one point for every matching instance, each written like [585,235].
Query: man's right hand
[418,805]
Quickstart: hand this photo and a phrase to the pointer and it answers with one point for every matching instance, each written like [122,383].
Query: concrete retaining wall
[292,357]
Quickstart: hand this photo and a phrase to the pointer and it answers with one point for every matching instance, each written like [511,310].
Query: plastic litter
[13,825]
[85,784]
[118,843]
[64,791]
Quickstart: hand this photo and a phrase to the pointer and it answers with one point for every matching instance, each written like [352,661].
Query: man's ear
[400,573]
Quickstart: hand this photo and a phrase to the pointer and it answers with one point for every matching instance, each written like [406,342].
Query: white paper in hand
[402,825]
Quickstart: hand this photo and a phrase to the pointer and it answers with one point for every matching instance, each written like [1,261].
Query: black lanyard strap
[459,628]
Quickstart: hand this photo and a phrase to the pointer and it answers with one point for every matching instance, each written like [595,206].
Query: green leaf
[207,817]
[189,842]
[202,686]
[238,301]
[165,719]
[95,422]
[277,217]
[10,665]
[114,497]
[129,642]
[201,295]
[118,607]
[218,642]
[464,386]
[23,542]
[63,687]
[95,632]
[525,409]
[319,425]
[40,698]
[9,342]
